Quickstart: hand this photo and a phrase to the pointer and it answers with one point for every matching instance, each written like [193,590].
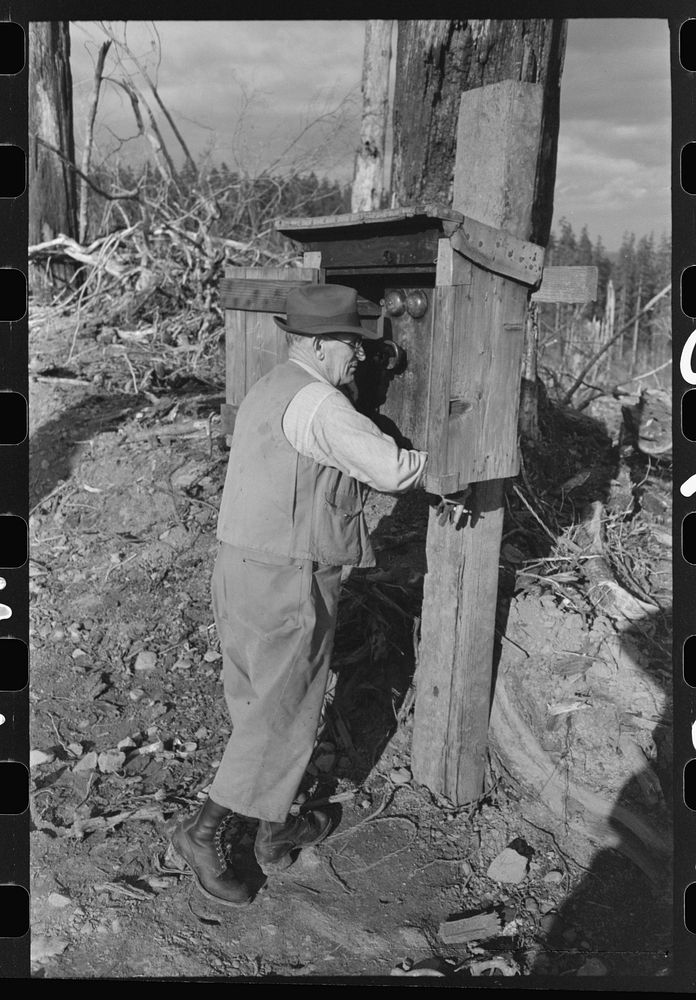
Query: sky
[255,94]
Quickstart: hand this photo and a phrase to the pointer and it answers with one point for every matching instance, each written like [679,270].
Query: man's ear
[318,345]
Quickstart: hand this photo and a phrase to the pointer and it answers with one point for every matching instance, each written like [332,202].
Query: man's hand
[452,507]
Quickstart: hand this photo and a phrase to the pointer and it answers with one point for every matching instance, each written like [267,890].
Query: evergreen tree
[584,253]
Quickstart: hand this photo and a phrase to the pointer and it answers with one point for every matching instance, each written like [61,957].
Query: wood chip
[472,928]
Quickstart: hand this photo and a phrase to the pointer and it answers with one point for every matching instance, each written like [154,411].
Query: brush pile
[151,288]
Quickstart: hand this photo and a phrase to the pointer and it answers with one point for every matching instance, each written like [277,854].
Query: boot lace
[219,848]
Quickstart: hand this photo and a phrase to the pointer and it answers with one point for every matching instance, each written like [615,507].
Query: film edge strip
[14,600]
[684,428]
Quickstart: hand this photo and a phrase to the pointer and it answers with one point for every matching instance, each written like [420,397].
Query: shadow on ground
[54,445]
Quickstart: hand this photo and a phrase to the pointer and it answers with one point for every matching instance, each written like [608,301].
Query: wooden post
[499,153]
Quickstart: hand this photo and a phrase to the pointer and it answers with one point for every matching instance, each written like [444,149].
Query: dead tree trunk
[506,144]
[52,185]
[89,139]
[436,61]
[369,181]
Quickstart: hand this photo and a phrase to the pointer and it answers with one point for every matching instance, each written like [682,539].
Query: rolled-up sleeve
[323,425]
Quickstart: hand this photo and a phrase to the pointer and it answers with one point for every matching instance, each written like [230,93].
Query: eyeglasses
[356,346]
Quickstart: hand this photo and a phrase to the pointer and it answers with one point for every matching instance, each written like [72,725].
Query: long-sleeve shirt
[323,425]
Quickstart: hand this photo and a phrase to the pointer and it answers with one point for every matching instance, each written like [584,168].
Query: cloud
[609,193]
[613,169]
[244,89]
[247,87]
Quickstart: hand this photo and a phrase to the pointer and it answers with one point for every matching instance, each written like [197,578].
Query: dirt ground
[129,722]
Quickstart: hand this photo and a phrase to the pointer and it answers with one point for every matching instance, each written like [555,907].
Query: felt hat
[323,311]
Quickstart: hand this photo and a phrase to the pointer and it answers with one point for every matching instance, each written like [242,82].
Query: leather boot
[275,841]
[197,842]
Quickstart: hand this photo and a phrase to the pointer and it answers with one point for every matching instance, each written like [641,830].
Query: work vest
[277,502]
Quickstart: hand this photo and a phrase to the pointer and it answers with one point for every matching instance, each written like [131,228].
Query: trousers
[276,620]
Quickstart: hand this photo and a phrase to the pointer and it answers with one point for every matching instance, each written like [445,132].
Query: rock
[553,877]
[531,904]
[126,744]
[400,776]
[75,749]
[88,762]
[58,901]
[189,746]
[44,948]
[592,967]
[182,664]
[201,734]
[78,653]
[159,883]
[211,655]
[145,660]
[509,867]
[413,938]
[111,761]
[38,757]
[136,694]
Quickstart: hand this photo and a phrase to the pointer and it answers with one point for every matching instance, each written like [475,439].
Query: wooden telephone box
[449,296]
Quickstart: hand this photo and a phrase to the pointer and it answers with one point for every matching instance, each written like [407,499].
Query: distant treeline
[638,270]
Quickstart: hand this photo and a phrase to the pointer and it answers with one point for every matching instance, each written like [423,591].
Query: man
[290,517]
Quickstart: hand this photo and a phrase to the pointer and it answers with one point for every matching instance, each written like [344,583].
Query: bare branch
[132,195]
[593,360]
[155,93]
[153,135]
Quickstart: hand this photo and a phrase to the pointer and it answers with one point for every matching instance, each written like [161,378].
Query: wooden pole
[636,327]
[500,149]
